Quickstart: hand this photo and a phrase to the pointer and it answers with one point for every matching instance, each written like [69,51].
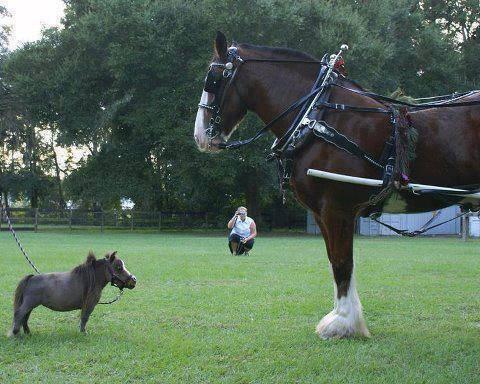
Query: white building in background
[410,222]
[474,227]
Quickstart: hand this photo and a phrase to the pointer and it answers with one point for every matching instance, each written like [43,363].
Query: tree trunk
[61,199]
[30,160]
[252,194]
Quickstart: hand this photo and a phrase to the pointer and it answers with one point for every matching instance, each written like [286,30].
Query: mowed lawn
[199,315]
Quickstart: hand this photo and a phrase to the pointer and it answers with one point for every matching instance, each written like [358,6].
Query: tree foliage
[123,79]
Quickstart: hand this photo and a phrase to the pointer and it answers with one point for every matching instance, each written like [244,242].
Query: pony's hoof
[10,334]
[336,326]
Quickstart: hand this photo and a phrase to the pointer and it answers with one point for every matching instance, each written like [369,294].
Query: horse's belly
[62,303]
[395,204]
[406,202]
[61,308]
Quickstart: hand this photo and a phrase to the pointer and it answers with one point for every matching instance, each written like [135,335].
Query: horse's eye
[118,268]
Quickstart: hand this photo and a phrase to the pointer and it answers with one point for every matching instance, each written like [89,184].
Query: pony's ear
[221,45]
[111,256]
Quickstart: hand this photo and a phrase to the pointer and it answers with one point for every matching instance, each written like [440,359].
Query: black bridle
[115,280]
[218,82]
[215,84]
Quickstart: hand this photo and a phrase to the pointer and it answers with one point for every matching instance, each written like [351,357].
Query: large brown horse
[446,153]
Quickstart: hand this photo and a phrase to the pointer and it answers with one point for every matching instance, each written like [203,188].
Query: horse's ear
[91,258]
[111,256]
[221,45]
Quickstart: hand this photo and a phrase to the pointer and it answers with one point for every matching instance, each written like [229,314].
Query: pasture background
[199,315]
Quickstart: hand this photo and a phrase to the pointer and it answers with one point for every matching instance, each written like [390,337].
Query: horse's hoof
[336,326]
[11,334]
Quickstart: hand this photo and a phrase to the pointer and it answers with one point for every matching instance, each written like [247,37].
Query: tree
[123,79]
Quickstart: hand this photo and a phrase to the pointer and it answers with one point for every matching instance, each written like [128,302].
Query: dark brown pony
[80,288]
[447,154]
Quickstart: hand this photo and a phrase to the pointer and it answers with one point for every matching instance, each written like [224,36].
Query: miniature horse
[80,288]
[269,80]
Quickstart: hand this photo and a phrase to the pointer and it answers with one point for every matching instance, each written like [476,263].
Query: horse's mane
[87,265]
[86,272]
[289,54]
[286,53]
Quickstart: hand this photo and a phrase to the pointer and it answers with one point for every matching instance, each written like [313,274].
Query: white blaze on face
[201,123]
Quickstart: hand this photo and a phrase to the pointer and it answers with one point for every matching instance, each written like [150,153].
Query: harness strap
[422,229]
[417,106]
[343,107]
[264,130]
[436,192]
[332,136]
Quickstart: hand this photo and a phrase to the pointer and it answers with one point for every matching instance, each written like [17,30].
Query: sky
[29,17]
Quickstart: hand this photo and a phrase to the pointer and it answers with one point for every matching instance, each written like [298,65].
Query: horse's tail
[18,300]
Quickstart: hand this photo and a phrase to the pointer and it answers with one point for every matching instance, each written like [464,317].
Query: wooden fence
[33,219]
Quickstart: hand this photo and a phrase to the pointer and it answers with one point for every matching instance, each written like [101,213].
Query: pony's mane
[88,264]
[86,272]
[275,52]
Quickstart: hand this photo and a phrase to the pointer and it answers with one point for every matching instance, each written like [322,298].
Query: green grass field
[199,315]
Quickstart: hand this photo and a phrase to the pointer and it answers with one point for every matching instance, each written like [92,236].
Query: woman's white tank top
[242,228]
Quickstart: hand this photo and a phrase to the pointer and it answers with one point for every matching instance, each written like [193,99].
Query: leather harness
[308,122]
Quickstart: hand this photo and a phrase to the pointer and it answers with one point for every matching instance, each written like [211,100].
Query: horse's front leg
[346,319]
[85,315]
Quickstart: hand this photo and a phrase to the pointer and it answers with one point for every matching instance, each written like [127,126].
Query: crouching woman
[243,232]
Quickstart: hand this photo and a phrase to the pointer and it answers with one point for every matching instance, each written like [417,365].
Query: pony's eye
[118,268]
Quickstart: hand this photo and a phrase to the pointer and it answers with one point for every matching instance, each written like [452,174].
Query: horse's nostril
[134,279]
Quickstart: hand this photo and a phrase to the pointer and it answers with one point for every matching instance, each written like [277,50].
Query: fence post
[464,228]
[36,220]
[131,220]
[70,218]
[102,218]
[116,218]
[1,215]
[160,221]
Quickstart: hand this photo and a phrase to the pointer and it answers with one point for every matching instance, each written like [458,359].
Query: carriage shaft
[378,183]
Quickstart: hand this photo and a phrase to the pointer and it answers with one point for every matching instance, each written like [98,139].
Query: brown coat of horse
[447,154]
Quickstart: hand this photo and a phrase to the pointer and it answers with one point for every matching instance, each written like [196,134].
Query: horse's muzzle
[131,282]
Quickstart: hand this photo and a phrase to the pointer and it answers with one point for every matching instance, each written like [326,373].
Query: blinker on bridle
[213,84]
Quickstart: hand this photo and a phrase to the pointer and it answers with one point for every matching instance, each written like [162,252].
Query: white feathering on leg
[346,319]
